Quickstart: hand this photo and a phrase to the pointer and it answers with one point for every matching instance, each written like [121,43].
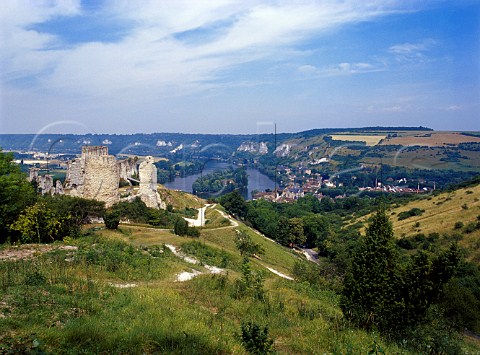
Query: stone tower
[147,172]
[101,175]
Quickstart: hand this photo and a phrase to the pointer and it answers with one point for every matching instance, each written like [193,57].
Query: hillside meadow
[118,292]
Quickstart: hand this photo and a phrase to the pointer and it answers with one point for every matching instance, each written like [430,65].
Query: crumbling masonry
[96,175]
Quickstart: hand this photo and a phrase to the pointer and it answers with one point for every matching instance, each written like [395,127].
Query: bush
[135,211]
[111,219]
[247,246]
[470,227]
[461,306]
[410,213]
[458,225]
[255,339]
[405,243]
[180,227]
[193,232]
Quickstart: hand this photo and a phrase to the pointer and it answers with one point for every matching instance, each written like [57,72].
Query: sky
[225,66]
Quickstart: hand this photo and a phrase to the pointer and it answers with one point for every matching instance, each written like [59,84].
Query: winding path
[200,221]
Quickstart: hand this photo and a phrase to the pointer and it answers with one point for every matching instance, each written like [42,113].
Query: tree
[235,204]
[111,219]
[316,229]
[379,292]
[247,246]
[75,212]
[290,231]
[16,193]
[180,227]
[282,234]
[297,237]
[369,292]
[38,224]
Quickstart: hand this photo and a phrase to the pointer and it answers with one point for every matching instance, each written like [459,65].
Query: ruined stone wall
[94,151]
[75,176]
[96,175]
[128,168]
[147,172]
[33,174]
[101,178]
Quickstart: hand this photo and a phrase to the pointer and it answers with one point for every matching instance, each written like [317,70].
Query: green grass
[213,219]
[64,301]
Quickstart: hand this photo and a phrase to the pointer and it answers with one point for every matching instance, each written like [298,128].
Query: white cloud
[412,52]
[341,69]
[151,59]
[454,108]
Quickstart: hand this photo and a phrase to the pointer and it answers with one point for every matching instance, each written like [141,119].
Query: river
[256,180]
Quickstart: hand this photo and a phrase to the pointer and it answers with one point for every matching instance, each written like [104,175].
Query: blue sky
[237,66]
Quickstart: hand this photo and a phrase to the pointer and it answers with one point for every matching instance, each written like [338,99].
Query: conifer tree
[380,293]
[369,294]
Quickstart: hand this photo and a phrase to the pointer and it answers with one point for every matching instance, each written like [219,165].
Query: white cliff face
[283,150]
[161,143]
[253,147]
[148,193]
[180,147]
[263,149]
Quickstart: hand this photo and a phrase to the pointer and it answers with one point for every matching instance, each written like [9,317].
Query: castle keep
[96,175]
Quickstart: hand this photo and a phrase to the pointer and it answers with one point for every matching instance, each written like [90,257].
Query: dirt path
[188,275]
[27,251]
[200,221]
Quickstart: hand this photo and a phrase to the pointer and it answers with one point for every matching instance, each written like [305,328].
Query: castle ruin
[96,175]
[147,172]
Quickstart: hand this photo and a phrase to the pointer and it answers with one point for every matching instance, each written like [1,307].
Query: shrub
[251,283]
[180,227]
[470,227]
[193,232]
[247,246]
[255,339]
[461,306]
[406,243]
[111,219]
[458,225]
[410,213]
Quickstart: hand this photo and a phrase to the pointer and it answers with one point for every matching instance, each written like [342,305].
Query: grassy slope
[179,199]
[441,213]
[75,308]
